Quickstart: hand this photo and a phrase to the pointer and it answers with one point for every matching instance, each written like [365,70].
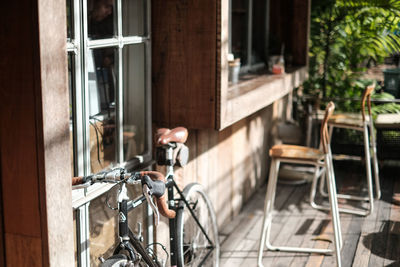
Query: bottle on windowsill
[279,67]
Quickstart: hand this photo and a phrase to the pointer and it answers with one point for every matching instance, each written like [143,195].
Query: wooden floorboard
[367,241]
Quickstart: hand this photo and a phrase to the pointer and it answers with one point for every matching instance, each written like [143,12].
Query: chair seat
[293,152]
[345,119]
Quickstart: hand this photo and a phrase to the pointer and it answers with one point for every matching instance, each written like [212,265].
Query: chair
[364,123]
[322,160]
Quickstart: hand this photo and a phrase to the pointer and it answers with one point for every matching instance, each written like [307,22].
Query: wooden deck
[368,241]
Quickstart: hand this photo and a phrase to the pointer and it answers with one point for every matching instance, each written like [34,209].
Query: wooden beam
[2,246]
[34,141]
[184,62]
[300,31]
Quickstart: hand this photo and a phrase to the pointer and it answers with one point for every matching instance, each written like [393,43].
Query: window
[108,64]
[108,45]
[248,33]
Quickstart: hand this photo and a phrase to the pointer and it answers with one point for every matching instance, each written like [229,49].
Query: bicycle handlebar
[155,181]
[161,201]
[78,180]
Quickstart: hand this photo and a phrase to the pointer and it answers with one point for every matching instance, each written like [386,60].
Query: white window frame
[79,46]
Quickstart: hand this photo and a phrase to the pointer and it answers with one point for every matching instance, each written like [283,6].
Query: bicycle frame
[125,234]
[171,185]
[125,205]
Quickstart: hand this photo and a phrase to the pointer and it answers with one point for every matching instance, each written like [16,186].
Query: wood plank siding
[190,46]
[34,141]
[231,163]
[184,62]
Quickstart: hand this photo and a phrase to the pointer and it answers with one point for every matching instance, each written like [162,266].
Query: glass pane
[103,223]
[101,19]
[102,85]
[134,100]
[103,227]
[133,17]
[259,50]
[239,29]
[70,25]
[71,86]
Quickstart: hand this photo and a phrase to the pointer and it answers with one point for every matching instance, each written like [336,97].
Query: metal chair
[364,123]
[322,160]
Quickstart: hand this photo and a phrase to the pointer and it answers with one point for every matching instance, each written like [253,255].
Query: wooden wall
[184,62]
[233,163]
[34,141]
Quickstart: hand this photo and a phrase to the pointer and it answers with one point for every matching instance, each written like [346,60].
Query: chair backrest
[324,127]
[366,98]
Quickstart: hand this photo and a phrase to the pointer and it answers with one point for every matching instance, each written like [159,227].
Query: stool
[322,160]
[364,123]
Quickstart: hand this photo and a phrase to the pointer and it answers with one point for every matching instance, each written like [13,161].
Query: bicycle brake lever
[147,194]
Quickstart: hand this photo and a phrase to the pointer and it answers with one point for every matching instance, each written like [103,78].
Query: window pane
[134,124]
[259,32]
[70,25]
[71,86]
[102,85]
[101,19]
[134,17]
[239,29]
[103,225]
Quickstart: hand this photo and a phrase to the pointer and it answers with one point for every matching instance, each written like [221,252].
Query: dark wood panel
[19,173]
[2,246]
[289,25]
[17,115]
[184,63]
[300,31]
[23,251]
[34,104]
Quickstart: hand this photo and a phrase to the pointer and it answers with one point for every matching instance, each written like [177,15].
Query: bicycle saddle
[164,136]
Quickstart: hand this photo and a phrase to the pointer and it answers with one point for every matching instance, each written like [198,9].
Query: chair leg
[334,196]
[322,182]
[322,187]
[368,169]
[313,190]
[267,220]
[375,162]
[370,197]
[268,208]
[338,242]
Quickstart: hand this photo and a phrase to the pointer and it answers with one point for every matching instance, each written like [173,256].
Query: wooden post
[34,139]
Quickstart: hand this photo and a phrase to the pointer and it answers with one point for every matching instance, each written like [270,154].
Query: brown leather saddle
[177,135]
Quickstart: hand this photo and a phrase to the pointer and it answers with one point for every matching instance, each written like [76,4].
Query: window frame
[79,46]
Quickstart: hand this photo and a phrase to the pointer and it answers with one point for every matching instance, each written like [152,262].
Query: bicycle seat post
[169,156]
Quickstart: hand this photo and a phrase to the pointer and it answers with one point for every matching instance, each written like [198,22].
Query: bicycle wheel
[193,247]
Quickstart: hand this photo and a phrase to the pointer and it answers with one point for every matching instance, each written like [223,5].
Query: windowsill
[256,92]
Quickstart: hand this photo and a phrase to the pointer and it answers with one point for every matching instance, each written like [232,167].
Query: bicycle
[192,221]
